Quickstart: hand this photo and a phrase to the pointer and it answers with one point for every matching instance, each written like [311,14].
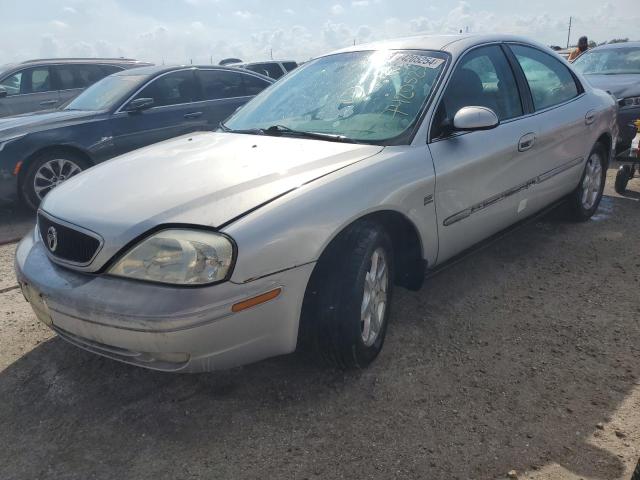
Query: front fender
[296,228]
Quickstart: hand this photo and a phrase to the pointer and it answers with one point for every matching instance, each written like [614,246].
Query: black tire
[622,179]
[331,323]
[636,472]
[28,188]
[625,173]
[581,210]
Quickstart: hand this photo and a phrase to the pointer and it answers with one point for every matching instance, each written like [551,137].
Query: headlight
[630,102]
[178,256]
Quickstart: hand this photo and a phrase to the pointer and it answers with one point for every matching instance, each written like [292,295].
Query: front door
[481,176]
[28,90]
[176,111]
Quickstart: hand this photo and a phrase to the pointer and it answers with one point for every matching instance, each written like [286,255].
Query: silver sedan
[291,226]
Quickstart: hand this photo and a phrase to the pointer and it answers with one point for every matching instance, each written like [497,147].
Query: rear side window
[217,84]
[29,80]
[254,85]
[78,76]
[288,66]
[270,69]
[109,69]
[550,81]
[483,78]
[171,89]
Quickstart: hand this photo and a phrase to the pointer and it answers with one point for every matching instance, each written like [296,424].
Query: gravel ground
[15,222]
[523,356]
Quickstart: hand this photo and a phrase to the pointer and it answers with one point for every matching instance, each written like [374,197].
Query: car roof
[269,61]
[454,44]
[123,61]
[610,46]
[152,71]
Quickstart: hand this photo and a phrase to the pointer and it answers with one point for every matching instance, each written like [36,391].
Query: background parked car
[120,113]
[274,70]
[48,83]
[616,69]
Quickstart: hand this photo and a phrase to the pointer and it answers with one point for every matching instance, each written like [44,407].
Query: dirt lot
[523,356]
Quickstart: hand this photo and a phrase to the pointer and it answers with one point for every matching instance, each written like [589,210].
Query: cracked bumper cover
[160,327]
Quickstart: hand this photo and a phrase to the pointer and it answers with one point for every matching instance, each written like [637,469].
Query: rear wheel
[47,171]
[346,308]
[586,197]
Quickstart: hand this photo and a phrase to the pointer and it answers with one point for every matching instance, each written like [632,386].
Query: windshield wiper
[282,130]
[254,131]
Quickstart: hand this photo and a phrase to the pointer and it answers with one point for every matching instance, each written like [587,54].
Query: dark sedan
[120,113]
[616,69]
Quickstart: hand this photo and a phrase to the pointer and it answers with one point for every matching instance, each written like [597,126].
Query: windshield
[609,61]
[363,96]
[106,93]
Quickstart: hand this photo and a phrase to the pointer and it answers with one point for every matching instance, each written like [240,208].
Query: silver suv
[48,83]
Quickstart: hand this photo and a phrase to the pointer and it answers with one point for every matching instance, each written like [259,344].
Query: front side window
[550,81]
[171,89]
[30,80]
[369,96]
[482,79]
[609,61]
[12,84]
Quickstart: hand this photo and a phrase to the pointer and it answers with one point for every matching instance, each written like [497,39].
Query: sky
[201,31]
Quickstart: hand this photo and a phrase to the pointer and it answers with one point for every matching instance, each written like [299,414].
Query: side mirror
[3,92]
[475,118]
[139,105]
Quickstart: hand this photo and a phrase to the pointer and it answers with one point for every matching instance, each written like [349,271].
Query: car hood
[33,122]
[622,86]
[204,178]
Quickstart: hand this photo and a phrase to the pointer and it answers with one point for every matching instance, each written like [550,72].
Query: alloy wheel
[374,299]
[51,174]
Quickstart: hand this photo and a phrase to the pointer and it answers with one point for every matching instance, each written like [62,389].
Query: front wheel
[45,172]
[586,197]
[346,309]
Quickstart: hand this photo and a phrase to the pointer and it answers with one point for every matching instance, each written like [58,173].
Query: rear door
[28,90]
[225,91]
[480,175]
[562,122]
[177,110]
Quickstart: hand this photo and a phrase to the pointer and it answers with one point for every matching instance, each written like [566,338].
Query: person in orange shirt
[583,46]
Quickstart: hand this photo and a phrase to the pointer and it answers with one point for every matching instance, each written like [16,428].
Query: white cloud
[58,24]
[198,29]
[242,14]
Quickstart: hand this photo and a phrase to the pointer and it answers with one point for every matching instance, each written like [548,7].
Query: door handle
[526,142]
[193,115]
[48,102]
[590,117]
